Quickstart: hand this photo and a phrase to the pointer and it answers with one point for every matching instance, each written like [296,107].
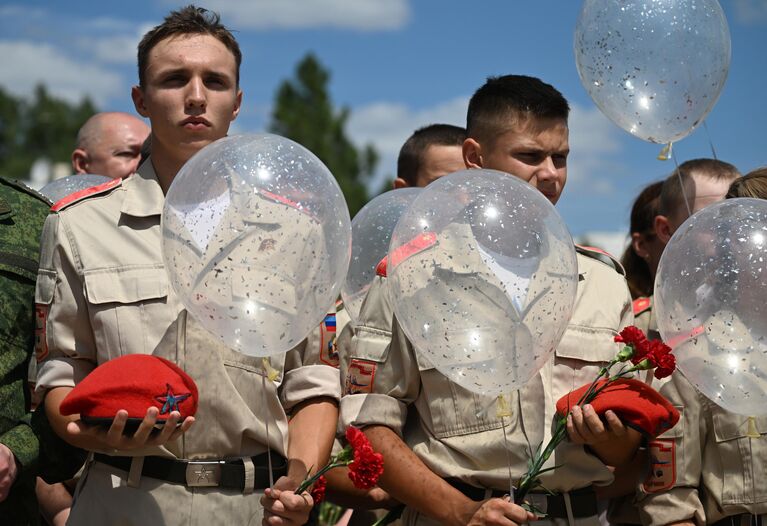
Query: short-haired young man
[428,154]
[103,292]
[450,465]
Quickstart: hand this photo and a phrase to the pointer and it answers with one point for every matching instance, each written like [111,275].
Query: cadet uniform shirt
[102,292]
[711,465]
[22,213]
[458,434]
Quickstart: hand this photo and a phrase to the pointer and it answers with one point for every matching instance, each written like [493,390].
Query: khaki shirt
[103,292]
[707,467]
[457,433]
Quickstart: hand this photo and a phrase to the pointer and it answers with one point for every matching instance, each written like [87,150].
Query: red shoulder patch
[679,339]
[662,466]
[640,305]
[41,322]
[381,267]
[360,377]
[93,190]
[412,247]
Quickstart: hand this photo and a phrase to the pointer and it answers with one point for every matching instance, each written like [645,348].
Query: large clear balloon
[60,188]
[654,67]
[710,296]
[372,228]
[256,241]
[483,274]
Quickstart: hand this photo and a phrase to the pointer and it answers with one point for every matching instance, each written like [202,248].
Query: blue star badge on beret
[170,401]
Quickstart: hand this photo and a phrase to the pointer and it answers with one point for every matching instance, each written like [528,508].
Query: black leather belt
[583,501]
[204,473]
[743,518]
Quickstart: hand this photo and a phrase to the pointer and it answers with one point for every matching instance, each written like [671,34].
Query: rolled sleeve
[23,443]
[362,410]
[310,381]
[62,372]
[675,505]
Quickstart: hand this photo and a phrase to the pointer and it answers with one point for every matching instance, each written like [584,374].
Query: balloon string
[508,458]
[710,142]
[681,185]
[266,422]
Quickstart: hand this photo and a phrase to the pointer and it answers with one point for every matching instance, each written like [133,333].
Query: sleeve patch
[41,321]
[360,377]
[662,466]
[328,349]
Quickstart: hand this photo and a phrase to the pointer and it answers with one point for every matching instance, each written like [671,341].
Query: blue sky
[400,64]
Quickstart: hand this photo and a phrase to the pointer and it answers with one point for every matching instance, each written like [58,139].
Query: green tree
[43,127]
[304,112]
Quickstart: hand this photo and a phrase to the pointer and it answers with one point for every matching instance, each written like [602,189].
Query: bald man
[109,144]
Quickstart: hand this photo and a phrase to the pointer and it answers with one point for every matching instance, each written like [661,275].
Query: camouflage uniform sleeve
[66,347]
[379,369]
[670,492]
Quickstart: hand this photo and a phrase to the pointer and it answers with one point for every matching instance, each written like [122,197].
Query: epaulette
[601,255]
[285,201]
[641,305]
[78,196]
[402,252]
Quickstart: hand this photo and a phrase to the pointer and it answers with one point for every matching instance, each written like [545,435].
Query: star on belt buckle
[203,473]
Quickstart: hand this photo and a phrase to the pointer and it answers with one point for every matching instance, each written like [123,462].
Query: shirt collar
[144,195]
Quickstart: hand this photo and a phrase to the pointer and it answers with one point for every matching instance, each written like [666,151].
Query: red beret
[637,404]
[134,383]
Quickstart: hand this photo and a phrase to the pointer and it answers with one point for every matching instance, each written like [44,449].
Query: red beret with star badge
[134,383]
[637,405]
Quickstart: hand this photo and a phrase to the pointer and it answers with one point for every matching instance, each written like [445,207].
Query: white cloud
[114,49]
[388,124]
[751,12]
[594,143]
[362,15]
[27,64]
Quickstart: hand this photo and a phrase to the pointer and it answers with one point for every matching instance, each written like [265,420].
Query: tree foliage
[44,126]
[304,112]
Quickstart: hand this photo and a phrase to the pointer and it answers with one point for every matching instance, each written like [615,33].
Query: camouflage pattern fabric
[22,213]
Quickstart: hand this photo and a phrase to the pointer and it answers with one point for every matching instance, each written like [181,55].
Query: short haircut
[411,153]
[643,212]
[753,184]
[189,20]
[672,196]
[512,98]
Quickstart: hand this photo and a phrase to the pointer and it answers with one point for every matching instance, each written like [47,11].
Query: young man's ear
[399,182]
[237,104]
[80,161]
[472,153]
[137,94]
[663,229]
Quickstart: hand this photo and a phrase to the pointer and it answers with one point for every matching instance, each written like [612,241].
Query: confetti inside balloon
[372,228]
[60,188]
[710,296]
[654,67]
[483,274]
[256,241]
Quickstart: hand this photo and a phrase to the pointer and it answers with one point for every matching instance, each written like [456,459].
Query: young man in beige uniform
[103,292]
[450,462]
[711,468]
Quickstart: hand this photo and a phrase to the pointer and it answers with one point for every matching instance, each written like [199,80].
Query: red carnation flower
[318,491]
[356,438]
[366,468]
[660,356]
[631,335]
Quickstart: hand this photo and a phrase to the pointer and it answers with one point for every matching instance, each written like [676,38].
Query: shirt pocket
[128,309]
[453,410]
[583,351]
[742,459]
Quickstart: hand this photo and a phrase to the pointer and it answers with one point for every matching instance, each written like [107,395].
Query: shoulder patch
[328,349]
[601,255]
[641,305]
[360,376]
[88,192]
[412,247]
[662,466]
